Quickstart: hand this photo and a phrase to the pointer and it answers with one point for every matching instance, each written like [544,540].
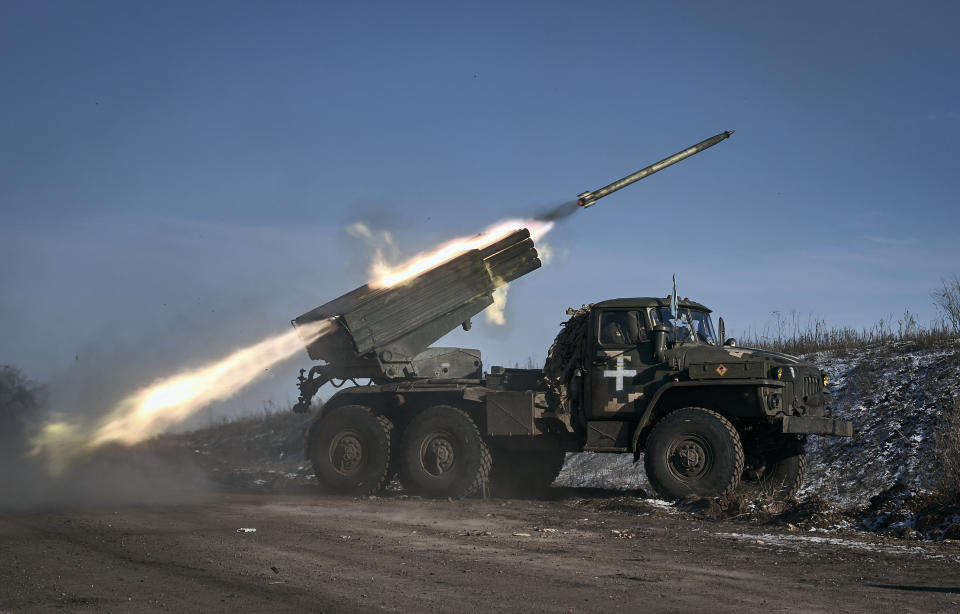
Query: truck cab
[642,361]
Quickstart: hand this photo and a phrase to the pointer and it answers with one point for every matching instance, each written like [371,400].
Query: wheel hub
[346,452]
[689,459]
[437,454]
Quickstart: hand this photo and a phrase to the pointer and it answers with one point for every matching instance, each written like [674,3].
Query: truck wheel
[350,450]
[520,474]
[442,454]
[693,451]
[776,474]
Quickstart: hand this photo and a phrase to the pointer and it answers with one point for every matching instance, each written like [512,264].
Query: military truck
[643,375]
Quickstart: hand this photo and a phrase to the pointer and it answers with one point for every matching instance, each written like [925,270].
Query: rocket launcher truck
[650,376]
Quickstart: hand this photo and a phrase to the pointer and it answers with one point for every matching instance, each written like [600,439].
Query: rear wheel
[350,450]
[523,473]
[442,454]
[774,472]
[693,451]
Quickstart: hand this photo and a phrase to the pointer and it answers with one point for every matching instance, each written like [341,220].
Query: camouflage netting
[563,358]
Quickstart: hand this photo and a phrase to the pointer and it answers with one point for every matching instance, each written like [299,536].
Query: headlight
[826,380]
[773,402]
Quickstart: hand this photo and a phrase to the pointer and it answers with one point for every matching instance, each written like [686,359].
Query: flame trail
[170,400]
[386,276]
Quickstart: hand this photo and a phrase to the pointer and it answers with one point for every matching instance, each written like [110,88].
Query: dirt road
[575,554]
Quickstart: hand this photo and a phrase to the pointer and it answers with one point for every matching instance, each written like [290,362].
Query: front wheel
[442,454]
[693,451]
[774,473]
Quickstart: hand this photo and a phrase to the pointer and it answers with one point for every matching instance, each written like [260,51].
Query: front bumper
[815,425]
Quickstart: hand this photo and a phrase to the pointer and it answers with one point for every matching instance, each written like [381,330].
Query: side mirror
[658,334]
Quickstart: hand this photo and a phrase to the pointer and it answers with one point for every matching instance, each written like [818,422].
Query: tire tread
[481,476]
[680,414]
[372,487]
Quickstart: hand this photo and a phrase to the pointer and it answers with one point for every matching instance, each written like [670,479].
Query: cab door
[622,358]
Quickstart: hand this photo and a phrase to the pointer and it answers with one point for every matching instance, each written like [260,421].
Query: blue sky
[177,177]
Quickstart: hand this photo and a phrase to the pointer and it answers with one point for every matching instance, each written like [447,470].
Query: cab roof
[646,301]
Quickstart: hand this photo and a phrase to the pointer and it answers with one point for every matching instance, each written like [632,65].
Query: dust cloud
[114,475]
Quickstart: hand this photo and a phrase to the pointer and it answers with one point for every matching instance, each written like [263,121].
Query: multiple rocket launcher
[385,333]
[382,330]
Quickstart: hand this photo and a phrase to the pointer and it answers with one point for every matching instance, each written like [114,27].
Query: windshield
[689,325]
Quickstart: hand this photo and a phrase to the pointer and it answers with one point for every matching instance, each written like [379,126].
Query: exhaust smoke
[559,212]
[495,313]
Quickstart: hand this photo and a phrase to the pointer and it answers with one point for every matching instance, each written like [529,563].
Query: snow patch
[799,541]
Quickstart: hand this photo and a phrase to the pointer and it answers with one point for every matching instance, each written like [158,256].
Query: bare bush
[947,300]
[948,450]
[20,402]
[948,430]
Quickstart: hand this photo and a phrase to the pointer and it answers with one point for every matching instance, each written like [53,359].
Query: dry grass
[792,335]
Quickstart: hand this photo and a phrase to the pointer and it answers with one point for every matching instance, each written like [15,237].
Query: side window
[655,319]
[621,328]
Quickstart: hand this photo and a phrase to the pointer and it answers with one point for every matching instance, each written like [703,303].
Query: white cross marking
[620,373]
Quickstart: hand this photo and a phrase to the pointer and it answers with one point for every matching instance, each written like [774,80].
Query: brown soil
[580,552]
